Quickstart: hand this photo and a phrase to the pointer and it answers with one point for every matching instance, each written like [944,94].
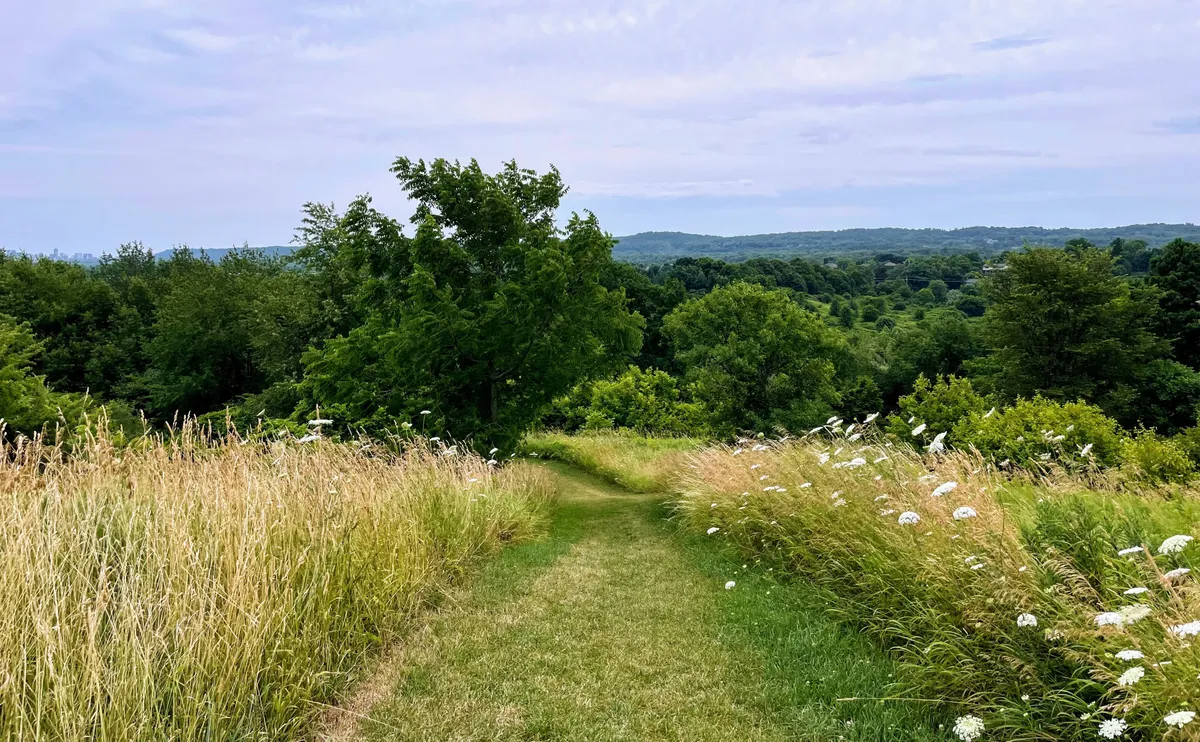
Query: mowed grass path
[615,627]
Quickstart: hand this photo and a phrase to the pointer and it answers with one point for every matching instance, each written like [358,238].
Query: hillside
[657,247]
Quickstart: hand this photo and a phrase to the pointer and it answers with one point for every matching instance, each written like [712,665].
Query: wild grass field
[187,589]
[1036,606]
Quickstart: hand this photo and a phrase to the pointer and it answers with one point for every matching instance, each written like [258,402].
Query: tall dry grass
[625,458]
[185,589]
[945,593]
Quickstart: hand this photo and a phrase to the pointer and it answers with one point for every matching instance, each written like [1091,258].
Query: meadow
[1037,606]
[183,588]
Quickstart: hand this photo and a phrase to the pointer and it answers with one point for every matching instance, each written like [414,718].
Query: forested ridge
[480,318]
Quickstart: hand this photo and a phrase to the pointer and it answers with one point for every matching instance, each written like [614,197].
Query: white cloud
[682,100]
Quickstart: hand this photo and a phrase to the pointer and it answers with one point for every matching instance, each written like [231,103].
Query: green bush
[939,404]
[1037,430]
[27,405]
[1189,442]
[1149,457]
[648,401]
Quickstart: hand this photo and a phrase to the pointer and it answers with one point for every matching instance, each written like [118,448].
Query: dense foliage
[487,313]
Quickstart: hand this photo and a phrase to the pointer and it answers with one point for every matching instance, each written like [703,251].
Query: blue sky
[210,123]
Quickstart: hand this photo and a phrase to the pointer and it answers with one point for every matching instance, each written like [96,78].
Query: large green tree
[755,358]
[1176,272]
[483,317]
[1063,325]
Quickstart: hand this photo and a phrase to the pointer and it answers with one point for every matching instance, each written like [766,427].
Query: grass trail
[617,628]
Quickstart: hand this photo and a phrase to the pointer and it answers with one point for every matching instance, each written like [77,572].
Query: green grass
[631,461]
[618,627]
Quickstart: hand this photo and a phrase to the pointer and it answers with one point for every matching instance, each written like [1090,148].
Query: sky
[211,122]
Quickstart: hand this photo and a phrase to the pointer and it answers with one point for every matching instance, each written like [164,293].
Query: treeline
[482,317]
[659,247]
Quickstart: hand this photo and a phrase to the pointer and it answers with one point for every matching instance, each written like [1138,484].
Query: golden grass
[635,462]
[184,589]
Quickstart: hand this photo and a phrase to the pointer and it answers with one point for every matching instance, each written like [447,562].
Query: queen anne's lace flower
[908,518]
[1131,676]
[919,429]
[1176,573]
[1179,718]
[1131,614]
[1108,618]
[1137,590]
[965,512]
[1027,620]
[1192,628]
[1128,655]
[1130,550]
[713,530]
[1175,544]
[970,728]
[944,488]
[1112,728]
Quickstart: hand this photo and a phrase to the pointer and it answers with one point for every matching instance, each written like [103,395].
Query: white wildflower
[839,503]
[426,412]
[309,438]
[855,437]
[713,530]
[870,418]
[856,462]
[1129,655]
[320,421]
[886,513]
[1137,590]
[971,559]
[831,420]
[938,444]
[806,485]
[1131,676]
[965,512]
[881,498]
[1027,620]
[944,488]
[823,459]
[1179,718]
[880,460]
[1192,628]
[908,518]
[990,413]
[1176,573]
[1130,550]
[969,728]
[1053,635]
[1174,545]
[729,585]
[1112,728]
[1084,452]
[1108,618]
[919,429]
[973,566]
[1131,614]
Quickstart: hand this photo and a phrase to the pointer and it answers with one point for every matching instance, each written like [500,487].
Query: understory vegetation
[189,589]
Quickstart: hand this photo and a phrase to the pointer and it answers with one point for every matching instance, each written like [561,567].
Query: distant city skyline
[211,124]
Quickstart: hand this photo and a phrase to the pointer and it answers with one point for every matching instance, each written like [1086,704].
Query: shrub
[1038,430]
[644,400]
[1149,457]
[939,405]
